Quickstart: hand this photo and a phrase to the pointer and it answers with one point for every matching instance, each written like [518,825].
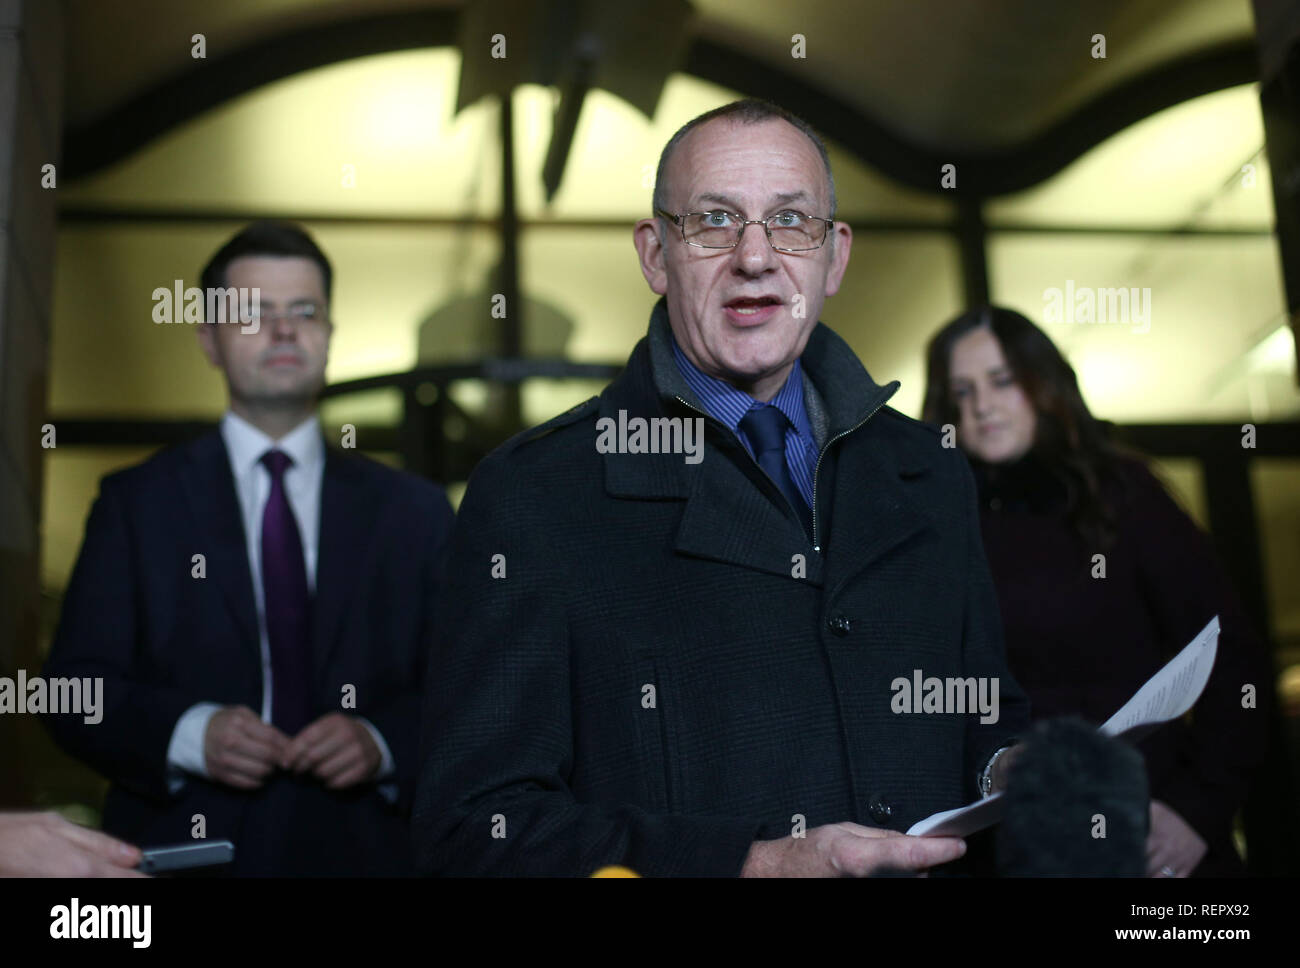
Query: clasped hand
[243,751]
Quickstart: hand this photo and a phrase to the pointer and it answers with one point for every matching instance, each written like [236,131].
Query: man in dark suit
[679,613]
[259,605]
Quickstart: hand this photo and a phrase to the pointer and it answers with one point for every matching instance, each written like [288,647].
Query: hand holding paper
[1165,696]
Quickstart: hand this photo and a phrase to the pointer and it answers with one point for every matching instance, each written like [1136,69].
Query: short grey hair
[747,111]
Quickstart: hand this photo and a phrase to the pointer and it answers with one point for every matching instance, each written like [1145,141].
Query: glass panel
[544,399]
[72,476]
[110,358]
[1162,328]
[370,408]
[287,147]
[1186,481]
[1162,172]
[588,291]
[898,290]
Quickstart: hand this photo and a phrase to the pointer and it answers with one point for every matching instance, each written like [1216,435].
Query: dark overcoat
[645,661]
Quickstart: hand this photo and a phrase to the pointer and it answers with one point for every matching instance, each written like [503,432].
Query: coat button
[838,624]
[881,811]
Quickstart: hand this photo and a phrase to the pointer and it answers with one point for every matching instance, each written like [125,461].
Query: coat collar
[732,512]
[843,392]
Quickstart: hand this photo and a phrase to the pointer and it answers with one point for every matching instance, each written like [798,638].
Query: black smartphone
[177,857]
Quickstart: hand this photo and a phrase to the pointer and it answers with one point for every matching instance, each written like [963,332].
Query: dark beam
[103,215]
[1198,441]
[1234,528]
[82,430]
[1217,447]
[1206,441]
[91,146]
[510,336]
[972,239]
[982,174]
[491,369]
[1229,497]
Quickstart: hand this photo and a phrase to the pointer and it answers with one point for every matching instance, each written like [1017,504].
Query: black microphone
[1077,805]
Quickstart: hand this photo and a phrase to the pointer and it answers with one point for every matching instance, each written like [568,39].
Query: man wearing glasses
[259,605]
[686,668]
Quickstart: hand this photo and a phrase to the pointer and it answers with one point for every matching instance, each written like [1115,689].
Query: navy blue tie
[765,428]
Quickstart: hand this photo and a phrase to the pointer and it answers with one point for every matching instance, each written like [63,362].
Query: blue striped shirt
[729,405]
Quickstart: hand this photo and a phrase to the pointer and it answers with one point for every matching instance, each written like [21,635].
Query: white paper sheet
[961,821]
[1165,696]
[1173,690]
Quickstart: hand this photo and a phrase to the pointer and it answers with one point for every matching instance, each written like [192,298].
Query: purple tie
[288,616]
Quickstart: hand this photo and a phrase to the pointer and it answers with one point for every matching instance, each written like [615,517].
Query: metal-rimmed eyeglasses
[787,231]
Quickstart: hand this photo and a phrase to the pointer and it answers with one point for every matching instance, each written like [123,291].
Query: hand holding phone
[155,860]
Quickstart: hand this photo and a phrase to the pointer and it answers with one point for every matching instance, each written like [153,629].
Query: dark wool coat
[653,681]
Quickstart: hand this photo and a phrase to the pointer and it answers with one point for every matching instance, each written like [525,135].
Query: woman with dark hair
[1101,577]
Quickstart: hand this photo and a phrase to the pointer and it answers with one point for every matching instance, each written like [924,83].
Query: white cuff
[185,751]
[386,766]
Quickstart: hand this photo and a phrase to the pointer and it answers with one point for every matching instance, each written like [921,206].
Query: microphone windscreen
[1077,805]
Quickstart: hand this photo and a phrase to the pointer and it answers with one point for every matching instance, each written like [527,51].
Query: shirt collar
[836,385]
[246,444]
[730,405]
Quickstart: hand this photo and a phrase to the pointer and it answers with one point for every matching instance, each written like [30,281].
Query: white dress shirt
[246,445]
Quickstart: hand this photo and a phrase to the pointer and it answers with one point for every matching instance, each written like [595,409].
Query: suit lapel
[208,487]
[347,517]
